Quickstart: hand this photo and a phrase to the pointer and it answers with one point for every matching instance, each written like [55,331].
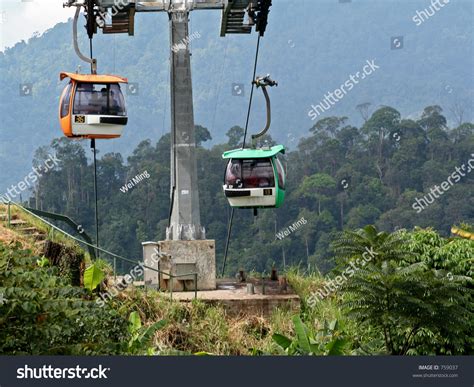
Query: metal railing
[69,222]
[9,204]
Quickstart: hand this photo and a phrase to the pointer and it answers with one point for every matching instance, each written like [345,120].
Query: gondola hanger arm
[91,61]
[265,82]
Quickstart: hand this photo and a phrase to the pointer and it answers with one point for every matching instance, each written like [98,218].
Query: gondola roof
[92,78]
[248,153]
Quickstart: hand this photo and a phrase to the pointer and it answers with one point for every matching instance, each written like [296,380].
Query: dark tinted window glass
[233,175]
[258,173]
[99,99]
[250,174]
[66,102]
[281,173]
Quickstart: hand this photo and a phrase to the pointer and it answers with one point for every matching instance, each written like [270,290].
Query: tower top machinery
[118,16]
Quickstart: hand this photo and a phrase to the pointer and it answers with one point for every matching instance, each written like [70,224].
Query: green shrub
[42,314]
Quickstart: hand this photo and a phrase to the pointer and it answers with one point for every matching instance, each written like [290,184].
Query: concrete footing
[180,258]
[235,299]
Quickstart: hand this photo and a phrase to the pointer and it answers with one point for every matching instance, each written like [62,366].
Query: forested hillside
[339,177]
[370,254]
[417,270]
[310,47]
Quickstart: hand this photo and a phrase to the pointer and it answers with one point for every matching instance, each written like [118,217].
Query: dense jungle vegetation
[339,177]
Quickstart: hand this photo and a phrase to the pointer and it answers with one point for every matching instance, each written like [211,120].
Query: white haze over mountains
[21,19]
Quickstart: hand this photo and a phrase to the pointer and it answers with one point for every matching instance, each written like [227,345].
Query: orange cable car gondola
[92,106]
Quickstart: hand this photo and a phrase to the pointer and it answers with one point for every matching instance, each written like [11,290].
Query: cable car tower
[238,17]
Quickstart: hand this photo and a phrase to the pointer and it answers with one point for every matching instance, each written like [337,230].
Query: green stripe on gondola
[263,153]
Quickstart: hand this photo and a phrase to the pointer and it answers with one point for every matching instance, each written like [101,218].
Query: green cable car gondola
[255,178]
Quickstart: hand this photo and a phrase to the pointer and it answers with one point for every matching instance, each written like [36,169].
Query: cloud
[20,19]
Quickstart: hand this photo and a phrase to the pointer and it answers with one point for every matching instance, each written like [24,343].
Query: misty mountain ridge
[310,49]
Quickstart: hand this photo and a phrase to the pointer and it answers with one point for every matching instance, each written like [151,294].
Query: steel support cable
[229,232]
[252,91]
[229,228]
[96,196]
[93,70]
[93,62]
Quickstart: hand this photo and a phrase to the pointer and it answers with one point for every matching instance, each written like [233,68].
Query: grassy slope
[191,327]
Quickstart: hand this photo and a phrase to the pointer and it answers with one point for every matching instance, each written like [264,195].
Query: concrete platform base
[234,298]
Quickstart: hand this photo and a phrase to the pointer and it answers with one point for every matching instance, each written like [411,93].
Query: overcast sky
[19,19]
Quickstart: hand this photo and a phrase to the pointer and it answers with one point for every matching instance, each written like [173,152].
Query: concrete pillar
[186,249]
[185,215]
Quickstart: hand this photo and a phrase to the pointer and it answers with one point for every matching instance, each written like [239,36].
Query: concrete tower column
[185,222]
